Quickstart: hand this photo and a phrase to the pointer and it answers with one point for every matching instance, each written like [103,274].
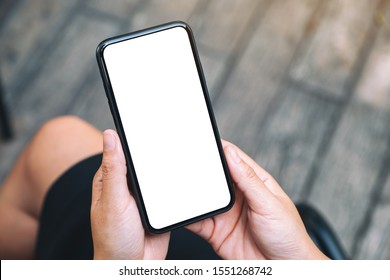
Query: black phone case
[132,177]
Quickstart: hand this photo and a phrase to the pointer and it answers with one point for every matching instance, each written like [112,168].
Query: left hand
[117,230]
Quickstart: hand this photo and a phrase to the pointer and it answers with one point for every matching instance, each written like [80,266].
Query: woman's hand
[263,223]
[117,230]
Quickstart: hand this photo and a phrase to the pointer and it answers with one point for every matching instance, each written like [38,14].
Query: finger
[113,168]
[246,179]
[268,180]
[261,172]
[204,228]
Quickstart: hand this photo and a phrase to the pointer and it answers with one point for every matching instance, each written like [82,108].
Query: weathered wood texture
[121,9]
[375,244]
[374,90]
[293,132]
[328,59]
[301,85]
[350,168]
[27,35]
[260,70]
[348,178]
[26,40]
[222,30]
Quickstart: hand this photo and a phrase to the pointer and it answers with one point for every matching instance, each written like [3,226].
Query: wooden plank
[373,89]
[288,144]
[213,66]
[26,36]
[337,38]
[346,178]
[223,23]
[66,68]
[222,31]
[374,86]
[381,218]
[161,11]
[121,9]
[376,243]
[255,79]
[346,183]
[92,106]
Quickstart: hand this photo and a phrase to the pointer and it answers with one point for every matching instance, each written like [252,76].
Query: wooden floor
[302,85]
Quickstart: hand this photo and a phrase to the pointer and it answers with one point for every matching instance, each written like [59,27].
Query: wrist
[104,255]
[314,253]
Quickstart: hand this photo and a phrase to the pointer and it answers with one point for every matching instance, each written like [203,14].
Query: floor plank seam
[238,50]
[18,87]
[333,125]
[284,82]
[320,93]
[93,12]
[374,200]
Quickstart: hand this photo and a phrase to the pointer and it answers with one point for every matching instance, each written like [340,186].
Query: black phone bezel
[132,176]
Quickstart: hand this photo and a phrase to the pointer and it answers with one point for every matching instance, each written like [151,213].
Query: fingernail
[108,141]
[234,154]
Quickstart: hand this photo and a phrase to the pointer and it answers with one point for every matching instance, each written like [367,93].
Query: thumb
[113,169]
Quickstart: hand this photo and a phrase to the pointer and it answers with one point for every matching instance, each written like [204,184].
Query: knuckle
[248,172]
[111,168]
[108,168]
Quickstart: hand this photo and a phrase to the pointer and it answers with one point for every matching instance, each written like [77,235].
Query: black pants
[65,225]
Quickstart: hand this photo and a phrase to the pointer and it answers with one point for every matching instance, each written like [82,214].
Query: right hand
[263,223]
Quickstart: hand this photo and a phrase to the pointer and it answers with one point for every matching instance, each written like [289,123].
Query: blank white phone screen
[168,129]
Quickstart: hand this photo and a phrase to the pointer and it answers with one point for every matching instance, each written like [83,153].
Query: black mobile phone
[162,111]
